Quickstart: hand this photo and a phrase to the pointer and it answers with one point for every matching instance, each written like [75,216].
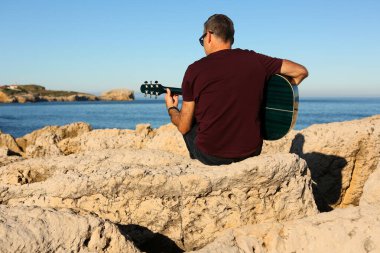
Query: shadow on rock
[326,172]
[12,153]
[148,241]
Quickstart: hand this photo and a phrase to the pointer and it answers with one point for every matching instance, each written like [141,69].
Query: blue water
[20,119]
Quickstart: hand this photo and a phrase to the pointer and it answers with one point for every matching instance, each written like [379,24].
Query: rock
[35,229]
[4,160]
[3,151]
[44,142]
[353,229]
[7,156]
[371,190]
[97,140]
[167,194]
[340,156]
[144,181]
[144,130]
[8,142]
[4,98]
[166,138]
[118,95]
[26,98]
[80,97]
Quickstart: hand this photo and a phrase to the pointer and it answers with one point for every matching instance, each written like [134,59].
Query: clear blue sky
[93,45]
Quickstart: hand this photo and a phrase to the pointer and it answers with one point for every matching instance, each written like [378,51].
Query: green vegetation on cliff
[35,90]
[38,93]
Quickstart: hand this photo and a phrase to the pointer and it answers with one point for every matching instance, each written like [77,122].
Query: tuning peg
[146,93]
[146,82]
[150,82]
[155,82]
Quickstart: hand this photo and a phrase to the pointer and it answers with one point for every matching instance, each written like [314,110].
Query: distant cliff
[37,93]
[118,95]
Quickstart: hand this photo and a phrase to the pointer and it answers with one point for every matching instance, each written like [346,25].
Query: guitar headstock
[155,89]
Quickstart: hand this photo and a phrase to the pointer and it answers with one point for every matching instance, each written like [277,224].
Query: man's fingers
[168,91]
[175,100]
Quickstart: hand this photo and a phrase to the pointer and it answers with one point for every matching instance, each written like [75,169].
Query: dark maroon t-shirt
[227,87]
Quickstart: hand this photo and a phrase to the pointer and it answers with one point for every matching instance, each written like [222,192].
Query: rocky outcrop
[7,156]
[98,140]
[69,98]
[44,142]
[79,137]
[118,95]
[37,93]
[8,143]
[165,193]
[34,229]
[4,98]
[166,138]
[353,229]
[143,181]
[340,156]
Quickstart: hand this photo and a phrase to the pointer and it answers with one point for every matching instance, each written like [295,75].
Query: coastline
[32,93]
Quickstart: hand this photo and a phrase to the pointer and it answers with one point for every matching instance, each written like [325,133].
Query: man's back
[227,87]
[223,92]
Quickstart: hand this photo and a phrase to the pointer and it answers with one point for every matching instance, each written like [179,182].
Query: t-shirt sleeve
[272,65]
[188,86]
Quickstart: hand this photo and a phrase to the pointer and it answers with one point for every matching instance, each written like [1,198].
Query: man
[222,96]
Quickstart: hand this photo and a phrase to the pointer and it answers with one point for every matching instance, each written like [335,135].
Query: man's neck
[220,47]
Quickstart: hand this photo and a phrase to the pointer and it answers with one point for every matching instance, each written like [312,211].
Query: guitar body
[280,105]
[280,108]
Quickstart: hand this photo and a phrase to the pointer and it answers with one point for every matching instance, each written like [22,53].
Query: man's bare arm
[294,71]
[184,118]
[181,119]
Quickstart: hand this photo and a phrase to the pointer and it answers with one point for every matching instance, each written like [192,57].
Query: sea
[20,119]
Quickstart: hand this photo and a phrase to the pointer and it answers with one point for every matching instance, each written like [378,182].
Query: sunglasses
[201,39]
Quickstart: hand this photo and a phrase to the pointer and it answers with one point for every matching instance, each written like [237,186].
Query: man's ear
[208,37]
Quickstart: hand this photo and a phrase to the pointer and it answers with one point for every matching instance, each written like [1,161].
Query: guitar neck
[174,91]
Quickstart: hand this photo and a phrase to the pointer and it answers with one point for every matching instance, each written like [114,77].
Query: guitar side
[280,108]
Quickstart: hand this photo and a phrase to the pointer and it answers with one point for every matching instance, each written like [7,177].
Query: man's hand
[171,100]
[181,119]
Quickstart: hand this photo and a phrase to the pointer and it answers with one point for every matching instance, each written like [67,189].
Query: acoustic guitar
[280,104]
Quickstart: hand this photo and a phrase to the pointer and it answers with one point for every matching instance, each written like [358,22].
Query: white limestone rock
[34,229]
[168,194]
[352,229]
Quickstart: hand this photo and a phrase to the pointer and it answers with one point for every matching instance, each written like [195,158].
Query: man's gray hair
[222,26]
